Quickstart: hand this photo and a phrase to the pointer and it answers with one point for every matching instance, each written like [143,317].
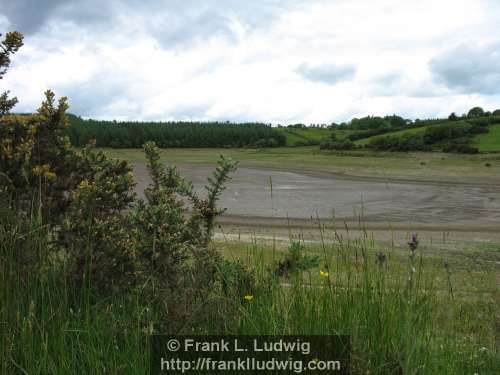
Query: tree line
[172,134]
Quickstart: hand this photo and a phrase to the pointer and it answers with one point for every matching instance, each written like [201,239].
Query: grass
[398,133]
[303,135]
[436,166]
[488,142]
[407,315]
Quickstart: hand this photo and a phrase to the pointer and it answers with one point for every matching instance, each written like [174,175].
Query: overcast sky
[279,61]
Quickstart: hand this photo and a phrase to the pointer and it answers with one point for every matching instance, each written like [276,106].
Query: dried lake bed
[293,197]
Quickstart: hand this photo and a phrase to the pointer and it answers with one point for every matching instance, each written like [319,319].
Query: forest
[172,134]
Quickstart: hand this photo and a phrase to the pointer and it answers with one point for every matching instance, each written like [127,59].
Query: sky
[273,61]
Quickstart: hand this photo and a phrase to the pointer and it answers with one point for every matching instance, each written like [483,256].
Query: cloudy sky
[279,61]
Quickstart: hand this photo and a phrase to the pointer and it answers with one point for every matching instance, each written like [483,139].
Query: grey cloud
[327,73]
[28,15]
[398,83]
[91,98]
[469,69]
[171,22]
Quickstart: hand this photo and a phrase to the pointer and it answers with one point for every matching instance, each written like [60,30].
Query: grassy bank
[363,163]
[406,312]
[489,142]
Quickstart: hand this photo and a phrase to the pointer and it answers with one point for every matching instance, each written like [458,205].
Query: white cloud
[272,61]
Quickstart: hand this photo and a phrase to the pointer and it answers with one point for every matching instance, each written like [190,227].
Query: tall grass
[398,310]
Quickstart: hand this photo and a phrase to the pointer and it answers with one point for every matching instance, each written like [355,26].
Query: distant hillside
[306,136]
[465,134]
[489,142]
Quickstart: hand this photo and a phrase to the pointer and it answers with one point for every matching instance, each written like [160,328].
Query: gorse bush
[36,160]
[109,241]
[105,241]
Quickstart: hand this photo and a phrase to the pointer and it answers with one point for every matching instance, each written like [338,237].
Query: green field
[297,136]
[489,142]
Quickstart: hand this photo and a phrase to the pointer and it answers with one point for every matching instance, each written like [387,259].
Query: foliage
[344,144]
[404,143]
[475,112]
[373,122]
[460,146]
[452,136]
[296,261]
[300,136]
[36,159]
[172,134]
[111,243]
[10,45]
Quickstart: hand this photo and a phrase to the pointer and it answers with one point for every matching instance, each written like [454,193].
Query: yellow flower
[323,273]
[84,184]
[248,297]
[51,176]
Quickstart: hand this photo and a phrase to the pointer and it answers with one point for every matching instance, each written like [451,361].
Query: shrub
[344,144]
[296,261]
[269,142]
[404,143]
[460,146]
[38,166]
[445,132]
[308,142]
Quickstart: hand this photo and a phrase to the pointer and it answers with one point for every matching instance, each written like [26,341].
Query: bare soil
[283,198]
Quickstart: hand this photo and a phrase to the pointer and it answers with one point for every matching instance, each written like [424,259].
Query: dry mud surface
[298,196]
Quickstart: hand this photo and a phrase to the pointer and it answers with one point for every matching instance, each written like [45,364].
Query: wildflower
[248,297]
[413,244]
[323,273]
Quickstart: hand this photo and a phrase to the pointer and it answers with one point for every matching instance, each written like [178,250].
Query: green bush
[112,244]
[404,143]
[308,142]
[344,144]
[295,261]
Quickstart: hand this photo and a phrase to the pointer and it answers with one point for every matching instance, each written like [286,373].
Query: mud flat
[273,197]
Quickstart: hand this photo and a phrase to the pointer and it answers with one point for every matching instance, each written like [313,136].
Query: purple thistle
[413,244]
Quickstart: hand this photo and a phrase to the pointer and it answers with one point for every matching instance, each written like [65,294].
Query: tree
[453,117]
[475,112]
[496,112]
[10,45]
